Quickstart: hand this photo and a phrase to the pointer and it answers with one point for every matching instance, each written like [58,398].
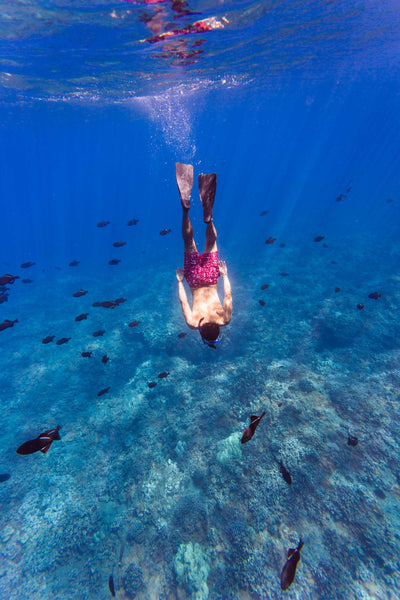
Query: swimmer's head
[209,333]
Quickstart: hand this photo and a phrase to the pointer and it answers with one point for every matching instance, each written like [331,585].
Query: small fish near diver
[289,568]
[42,442]
[249,431]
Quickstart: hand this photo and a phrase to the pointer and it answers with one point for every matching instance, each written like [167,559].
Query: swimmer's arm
[227,306]
[187,311]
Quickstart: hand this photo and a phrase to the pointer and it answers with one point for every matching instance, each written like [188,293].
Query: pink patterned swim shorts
[201,269]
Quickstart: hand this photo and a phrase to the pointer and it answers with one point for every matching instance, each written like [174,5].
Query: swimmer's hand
[223,269]
[180,275]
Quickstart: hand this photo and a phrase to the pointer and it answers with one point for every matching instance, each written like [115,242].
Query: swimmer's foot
[184,179]
[207,188]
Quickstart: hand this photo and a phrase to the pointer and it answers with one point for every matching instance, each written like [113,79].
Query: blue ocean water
[295,106]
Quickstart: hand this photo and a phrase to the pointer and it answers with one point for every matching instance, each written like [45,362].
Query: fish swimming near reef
[360,306]
[8,279]
[7,323]
[270,240]
[375,295]
[163,375]
[86,354]
[62,341]
[48,339]
[119,301]
[4,477]
[105,359]
[337,290]
[180,335]
[114,261]
[261,302]
[352,440]
[26,265]
[263,213]
[289,568]
[165,231]
[82,317]
[3,298]
[99,333]
[132,222]
[102,223]
[106,304]
[119,244]
[134,324]
[104,391]
[283,274]
[264,286]
[80,293]
[152,384]
[319,238]
[249,431]
[285,473]
[27,280]
[42,442]
[74,263]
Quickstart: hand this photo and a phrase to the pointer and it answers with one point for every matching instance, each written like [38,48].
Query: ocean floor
[152,485]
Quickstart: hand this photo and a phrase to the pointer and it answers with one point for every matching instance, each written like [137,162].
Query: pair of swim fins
[207,188]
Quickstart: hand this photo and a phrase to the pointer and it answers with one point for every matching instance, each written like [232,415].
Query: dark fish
[337,289]
[389,200]
[119,244]
[102,223]
[114,261]
[289,569]
[25,265]
[319,238]
[135,324]
[133,222]
[105,359]
[162,375]
[99,333]
[3,298]
[106,304]
[352,440]
[48,339]
[325,245]
[81,317]
[284,274]
[261,302]
[270,240]
[333,262]
[165,231]
[180,335]
[282,245]
[80,293]
[7,323]
[111,586]
[119,301]
[249,431]
[42,442]
[265,286]
[8,279]
[263,213]
[340,197]
[360,306]
[285,473]
[152,384]
[4,477]
[74,263]
[375,295]
[62,341]
[102,392]
[86,354]
[27,280]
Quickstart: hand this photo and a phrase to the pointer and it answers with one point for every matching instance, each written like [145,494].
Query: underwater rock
[132,581]
[229,448]
[192,569]
[306,386]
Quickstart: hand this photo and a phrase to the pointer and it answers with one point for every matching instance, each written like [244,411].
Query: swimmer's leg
[211,238]
[184,179]
[207,188]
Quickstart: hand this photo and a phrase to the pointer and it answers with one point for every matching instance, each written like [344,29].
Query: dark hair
[210,331]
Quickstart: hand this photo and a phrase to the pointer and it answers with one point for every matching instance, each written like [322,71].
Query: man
[202,270]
